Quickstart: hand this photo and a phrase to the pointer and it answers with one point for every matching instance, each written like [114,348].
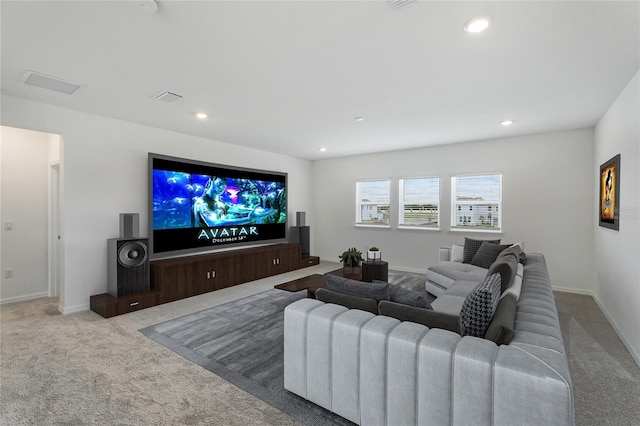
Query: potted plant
[374,253]
[351,259]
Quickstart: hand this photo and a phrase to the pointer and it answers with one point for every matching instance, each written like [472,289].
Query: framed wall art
[609,209]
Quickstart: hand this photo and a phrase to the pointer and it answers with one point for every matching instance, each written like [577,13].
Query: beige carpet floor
[82,369]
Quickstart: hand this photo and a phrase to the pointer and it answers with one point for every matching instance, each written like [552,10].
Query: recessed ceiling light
[322,149]
[358,118]
[201,115]
[506,123]
[478,24]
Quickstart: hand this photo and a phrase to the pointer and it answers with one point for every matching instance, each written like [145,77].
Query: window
[372,202]
[476,202]
[419,202]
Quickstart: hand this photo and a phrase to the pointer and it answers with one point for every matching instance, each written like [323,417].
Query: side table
[375,270]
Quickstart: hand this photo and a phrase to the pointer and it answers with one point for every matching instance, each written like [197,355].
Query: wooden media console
[181,277]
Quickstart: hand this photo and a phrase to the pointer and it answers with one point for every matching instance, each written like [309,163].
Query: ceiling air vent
[399,3]
[168,97]
[47,82]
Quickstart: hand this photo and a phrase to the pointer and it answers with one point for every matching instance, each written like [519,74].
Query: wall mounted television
[197,206]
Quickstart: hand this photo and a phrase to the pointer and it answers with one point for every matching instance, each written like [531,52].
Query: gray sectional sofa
[374,369]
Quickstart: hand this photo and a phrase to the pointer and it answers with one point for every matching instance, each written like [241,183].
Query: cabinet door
[197,280]
[292,258]
[169,278]
[241,268]
[264,263]
[285,259]
[219,274]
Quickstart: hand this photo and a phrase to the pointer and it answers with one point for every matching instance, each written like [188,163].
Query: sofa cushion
[515,288]
[487,254]
[418,315]
[448,304]
[471,247]
[479,306]
[347,300]
[462,288]
[507,266]
[500,329]
[407,297]
[446,273]
[437,275]
[377,291]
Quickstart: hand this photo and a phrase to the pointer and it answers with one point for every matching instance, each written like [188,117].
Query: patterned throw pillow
[479,306]
[471,247]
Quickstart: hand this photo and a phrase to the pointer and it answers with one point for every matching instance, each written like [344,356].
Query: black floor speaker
[128,266]
[301,235]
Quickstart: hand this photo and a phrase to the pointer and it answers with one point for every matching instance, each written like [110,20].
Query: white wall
[104,170]
[547,201]
[24,189]
[617,253]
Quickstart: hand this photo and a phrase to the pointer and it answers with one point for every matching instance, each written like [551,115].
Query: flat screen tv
[199,206]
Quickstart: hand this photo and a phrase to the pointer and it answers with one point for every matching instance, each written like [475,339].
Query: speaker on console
[129,225]
[128,266]
[300,218]
[301,235]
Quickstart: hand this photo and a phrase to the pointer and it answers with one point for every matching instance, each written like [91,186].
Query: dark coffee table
[310,283]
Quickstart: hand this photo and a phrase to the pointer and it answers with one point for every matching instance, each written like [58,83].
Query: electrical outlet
[8,273]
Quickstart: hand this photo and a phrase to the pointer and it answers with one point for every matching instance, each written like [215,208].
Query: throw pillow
[407,297]
[479,306]
[501,327]
[521,245]
[431,319]
[347,300]
[515,250]
[457,253]
[471,247]
[377,291]
[487,254]
[507,266]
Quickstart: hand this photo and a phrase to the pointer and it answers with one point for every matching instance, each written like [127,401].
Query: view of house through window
[476,202]
[372,202]
[419,202]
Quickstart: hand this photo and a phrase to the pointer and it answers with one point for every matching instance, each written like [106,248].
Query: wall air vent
[168,97]
[399,3]
[52,83]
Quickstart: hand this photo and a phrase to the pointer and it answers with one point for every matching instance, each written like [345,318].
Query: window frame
[359,204]
[402,203]
[456,205]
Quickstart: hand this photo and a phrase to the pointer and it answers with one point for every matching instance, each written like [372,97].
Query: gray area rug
[243,342]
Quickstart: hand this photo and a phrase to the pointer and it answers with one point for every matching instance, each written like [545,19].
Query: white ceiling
[291,76]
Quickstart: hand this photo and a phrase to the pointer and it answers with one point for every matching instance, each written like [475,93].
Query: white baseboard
[625,341]
[73,309]
[24,297]
[616,328]
[573,290]
[412,271]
